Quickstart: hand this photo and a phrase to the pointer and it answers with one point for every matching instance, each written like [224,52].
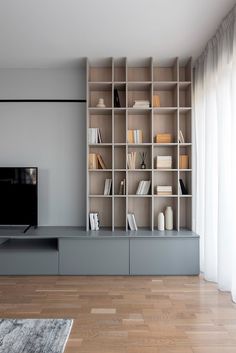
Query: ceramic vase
[169,218]
[101,103]
[161,221]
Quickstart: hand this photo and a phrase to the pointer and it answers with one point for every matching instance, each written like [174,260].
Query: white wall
[50,136]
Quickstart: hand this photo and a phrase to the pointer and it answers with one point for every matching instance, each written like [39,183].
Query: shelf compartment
[185,96]
[185,71]
[97,182]
[19,245]
[104,123]
[166,179]
[118,177]
[138,91]
[185,126]
[139,149]
[141,122]
[134,177]
[120,127]
[120,213]
[105,152]
[103,206]
[167,94]
[165,73]
[140,71]
[142,209]
[160,204]
[185,213]
[165,151]
[98,73]
[186,150]
[120,157]
[120,70]
[165,124]
[187,180]
[100,91]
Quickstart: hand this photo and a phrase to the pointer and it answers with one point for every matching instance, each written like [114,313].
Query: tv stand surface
[73,251]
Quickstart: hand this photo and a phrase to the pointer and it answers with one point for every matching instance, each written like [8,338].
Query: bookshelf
[139,80]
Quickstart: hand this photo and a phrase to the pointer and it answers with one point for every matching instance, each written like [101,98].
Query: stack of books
[141,104]
[164,190]
[163,138]
[135,136]
[122,189]
[131,159]
[94,221]
[143,187]
[94,135]
[164,162]
[96,161]
[131,221]
[107,187]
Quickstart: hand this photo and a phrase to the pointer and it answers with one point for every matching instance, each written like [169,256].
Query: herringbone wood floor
[128,314]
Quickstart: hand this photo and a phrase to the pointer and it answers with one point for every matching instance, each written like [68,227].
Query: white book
[181,137]
[134,222]
[147,187]
[96,221]
[92,222]
[138,192]
[130,223]
[99,135]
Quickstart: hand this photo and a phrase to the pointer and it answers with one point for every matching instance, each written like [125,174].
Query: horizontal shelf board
[139,170]
[100,111]
[165,110]
[134,111]
[139,144]
[100,170]
[173,144]
[184,110]
[164,85]
[119,196]
[185,170]
[100,86]
[135,196]
[185,196]
[118,144]
[184,84]
[100,196]
[100,144]
[119,170]
[165,170]
[165,196]
[185,144]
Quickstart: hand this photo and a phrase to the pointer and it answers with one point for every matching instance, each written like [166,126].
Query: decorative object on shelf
[161,221]
[163,138]
[181,137]
[169,218]
[94,221]
[107,187]
[132,221]
[164,190]
[116,99]
[122,189]
[183,190]
[164,162]
[156,101]
[143,156]
[143,187]
[94,135]
[101,103]
[131,159]
[141,104]
[135,136]
[183,161]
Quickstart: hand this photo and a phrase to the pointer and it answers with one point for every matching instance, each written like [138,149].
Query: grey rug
[34,336]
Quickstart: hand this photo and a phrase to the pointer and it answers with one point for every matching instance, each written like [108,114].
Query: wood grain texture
[128,314]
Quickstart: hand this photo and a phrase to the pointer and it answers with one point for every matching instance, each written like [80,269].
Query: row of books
[143,104]
[164,162]
[131,160]
[96,161]
[94,221]
[164,190]
[135,136]
[143,187]
[107,187]
[94,135]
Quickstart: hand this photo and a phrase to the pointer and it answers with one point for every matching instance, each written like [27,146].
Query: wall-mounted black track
[42,100]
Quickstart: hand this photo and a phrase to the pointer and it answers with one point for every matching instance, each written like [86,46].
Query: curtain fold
[215,156]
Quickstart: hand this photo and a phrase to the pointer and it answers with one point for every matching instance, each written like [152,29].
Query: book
[164,190]
[183,161]
[163,138]
[131,160]
[156,101]
[93,161]
[141,104]
[107,187]
[101,162]
[164,162]
[116,99]
[143,187]
[183,189]
[94,135]
[135,136]
[131,221]
[94,221]
[122,189]
[181,137]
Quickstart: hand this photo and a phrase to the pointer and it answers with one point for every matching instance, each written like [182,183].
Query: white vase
[101,103]
[161,221]
[169,218]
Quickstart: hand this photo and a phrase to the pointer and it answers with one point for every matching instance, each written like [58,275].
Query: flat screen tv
[19,196]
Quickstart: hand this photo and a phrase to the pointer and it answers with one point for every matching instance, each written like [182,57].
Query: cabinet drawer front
[164,256]
[94,256]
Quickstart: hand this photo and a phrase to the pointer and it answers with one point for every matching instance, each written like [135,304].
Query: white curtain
[215,156]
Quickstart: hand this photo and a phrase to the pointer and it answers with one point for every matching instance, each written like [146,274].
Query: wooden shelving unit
[139,81]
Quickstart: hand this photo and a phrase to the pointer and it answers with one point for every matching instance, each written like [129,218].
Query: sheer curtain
[215,156]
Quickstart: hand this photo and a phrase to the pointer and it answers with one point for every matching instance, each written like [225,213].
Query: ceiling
[54,33]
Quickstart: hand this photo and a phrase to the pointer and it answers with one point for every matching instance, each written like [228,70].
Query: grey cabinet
[164,256]
[94,256]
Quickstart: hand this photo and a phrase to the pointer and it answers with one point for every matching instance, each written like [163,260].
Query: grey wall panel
[164,256]
[28,263]
[94,257]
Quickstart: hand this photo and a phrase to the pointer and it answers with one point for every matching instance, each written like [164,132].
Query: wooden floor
[128,314]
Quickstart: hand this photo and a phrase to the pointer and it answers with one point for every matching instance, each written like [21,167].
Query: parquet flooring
[128,314]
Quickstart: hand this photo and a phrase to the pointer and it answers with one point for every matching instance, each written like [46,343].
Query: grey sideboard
[73,251]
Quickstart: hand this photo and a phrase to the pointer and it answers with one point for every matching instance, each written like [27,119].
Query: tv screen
[19,196]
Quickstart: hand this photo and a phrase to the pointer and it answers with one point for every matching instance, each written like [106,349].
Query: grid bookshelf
[140,80]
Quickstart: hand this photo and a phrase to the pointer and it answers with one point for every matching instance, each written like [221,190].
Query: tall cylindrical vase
[161,221]
[169,218]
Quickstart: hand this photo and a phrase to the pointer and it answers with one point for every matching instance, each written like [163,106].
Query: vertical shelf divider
[178,150]
[152,152]
[113,148]
[87,148]
[126,144]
